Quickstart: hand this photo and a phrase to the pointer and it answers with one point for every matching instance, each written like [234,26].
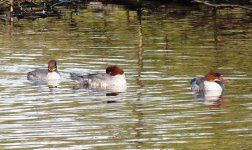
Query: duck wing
[38,74]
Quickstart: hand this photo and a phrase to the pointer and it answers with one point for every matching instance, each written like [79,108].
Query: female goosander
[113,78]
[45,74]
[210,86]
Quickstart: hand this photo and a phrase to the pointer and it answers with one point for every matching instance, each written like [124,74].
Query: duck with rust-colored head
[50,73]
[113,78]
[211,85]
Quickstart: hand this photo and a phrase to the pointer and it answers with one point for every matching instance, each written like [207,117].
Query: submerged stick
[216,6]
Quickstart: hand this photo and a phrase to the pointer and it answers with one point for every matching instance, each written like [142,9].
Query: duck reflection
[112,91]
[53,83]
[113,95]
[49,83]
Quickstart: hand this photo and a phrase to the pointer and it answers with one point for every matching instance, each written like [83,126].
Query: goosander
[50,75]
[210,87]
[113,79]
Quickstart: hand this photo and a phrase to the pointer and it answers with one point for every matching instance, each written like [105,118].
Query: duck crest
[114,70]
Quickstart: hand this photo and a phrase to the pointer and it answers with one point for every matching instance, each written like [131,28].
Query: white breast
[53,76]
[212,90]
[118,80]
[212,86]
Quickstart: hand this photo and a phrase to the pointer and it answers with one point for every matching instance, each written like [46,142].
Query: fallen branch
[219,6]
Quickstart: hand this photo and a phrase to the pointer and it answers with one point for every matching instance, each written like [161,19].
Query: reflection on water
[161,49]
[211,98]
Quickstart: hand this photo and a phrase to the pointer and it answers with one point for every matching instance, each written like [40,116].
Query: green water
[160,51]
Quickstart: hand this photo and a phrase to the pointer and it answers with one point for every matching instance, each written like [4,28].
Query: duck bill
[52,69]
[222,79]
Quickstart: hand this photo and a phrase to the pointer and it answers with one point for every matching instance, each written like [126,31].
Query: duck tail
[30,76]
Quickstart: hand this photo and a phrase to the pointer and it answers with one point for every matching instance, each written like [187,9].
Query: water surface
[160,50]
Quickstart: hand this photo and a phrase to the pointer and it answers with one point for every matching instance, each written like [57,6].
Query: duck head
[52,66]
[214,76]
[114,70]
[219,78]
